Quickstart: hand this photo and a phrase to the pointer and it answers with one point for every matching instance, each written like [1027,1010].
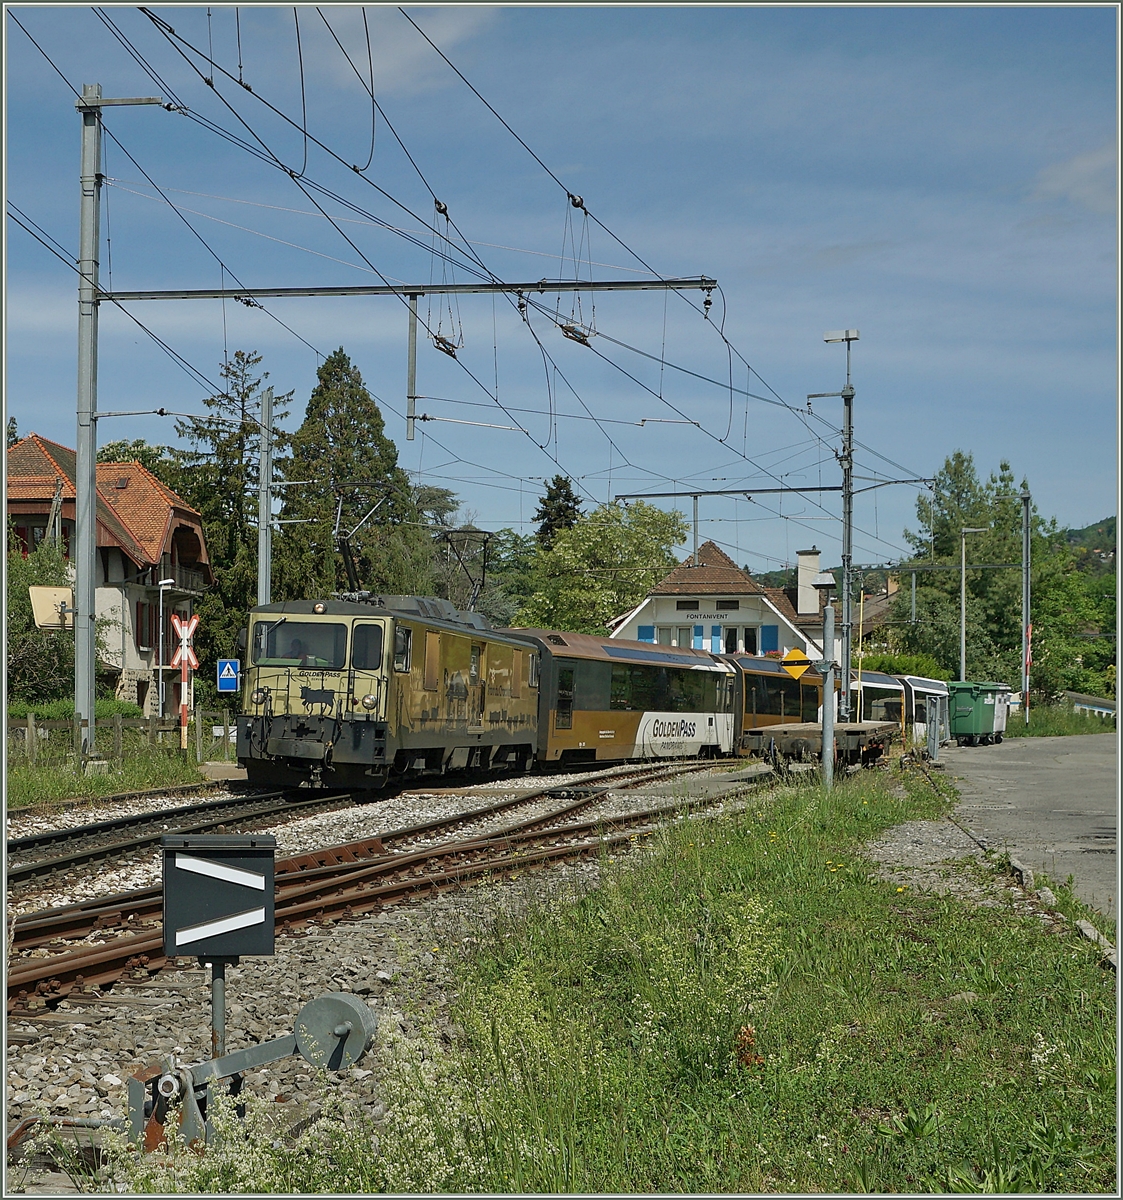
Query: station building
[145,533]
[713,604]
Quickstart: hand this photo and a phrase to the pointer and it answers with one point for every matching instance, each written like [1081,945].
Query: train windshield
[300,644]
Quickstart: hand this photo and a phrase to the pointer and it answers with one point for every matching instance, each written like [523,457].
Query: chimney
[807,598]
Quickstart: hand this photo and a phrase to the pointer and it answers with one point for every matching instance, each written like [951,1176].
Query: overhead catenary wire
[662,357]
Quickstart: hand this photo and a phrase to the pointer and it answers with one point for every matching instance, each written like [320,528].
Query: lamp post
[963,597]
[164,583]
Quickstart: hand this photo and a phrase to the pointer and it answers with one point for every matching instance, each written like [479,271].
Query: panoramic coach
[604,700]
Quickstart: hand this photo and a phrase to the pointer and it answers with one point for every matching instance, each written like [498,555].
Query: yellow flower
[900,889]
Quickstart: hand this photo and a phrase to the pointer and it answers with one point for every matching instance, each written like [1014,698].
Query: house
[714,605]
[145,534]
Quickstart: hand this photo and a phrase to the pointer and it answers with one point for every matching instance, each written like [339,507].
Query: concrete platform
[1049,801]
[218,772]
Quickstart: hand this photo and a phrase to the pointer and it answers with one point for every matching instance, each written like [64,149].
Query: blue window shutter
[699,631]
[715,639]
[769,638]
[646,633]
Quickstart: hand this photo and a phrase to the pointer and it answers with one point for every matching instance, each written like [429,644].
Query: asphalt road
[1051,802]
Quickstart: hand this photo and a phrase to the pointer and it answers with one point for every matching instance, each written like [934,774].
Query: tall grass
[748,1010]
[56,775]
[1055,720]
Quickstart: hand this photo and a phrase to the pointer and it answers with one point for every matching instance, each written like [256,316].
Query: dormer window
[122,481]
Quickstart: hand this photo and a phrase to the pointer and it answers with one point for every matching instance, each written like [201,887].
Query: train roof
[584,645]
[879,679]
[430,609]
[939,686]
[761,665]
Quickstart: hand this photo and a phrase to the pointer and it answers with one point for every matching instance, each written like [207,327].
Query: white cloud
[1087,179]
[403,62]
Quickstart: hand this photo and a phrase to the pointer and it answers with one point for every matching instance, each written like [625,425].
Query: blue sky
[943,179]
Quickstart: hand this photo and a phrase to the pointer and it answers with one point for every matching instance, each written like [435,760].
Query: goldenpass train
[358,691]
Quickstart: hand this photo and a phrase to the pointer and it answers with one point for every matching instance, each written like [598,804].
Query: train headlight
[319,608]
[369,701]
[258,695]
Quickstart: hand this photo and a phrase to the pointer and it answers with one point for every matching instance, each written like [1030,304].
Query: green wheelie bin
[977,712]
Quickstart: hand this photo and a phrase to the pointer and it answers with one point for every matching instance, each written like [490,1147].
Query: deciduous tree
[602,566]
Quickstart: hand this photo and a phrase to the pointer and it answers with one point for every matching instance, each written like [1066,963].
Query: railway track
[336,883]
[101,840]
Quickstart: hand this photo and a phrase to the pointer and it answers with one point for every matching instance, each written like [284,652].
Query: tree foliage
[601,567]
[341,466]
[1070,610]
[559,509]
[40,661]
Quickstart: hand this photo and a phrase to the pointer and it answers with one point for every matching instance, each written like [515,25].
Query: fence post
[225,735]
[118,744]
[78,739]
[152,731]
[199,715]
[32,739]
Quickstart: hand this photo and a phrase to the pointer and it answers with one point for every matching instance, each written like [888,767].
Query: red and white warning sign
[185,659]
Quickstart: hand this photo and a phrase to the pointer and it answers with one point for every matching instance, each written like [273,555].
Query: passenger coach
[605,699]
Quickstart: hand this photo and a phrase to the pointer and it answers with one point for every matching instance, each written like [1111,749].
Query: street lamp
[963,597]
[164,583]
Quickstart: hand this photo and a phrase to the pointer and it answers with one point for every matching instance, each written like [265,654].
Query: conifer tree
[345,465]
[558,509]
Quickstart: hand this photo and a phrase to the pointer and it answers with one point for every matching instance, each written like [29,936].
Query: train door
[366,679]
[476,672]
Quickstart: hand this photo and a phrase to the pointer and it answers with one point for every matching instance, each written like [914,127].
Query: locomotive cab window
[366,648]
[532,670]
[403,647]
[305,645]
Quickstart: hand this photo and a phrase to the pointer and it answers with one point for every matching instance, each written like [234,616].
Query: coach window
[532,670]
[564,718]
[403,648]
[366,647]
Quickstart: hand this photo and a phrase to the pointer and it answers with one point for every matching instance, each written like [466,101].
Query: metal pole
[913,614]
[265,501]
[85,468]
[89,107]
[218,1008]
[411,374]
[1025,603]
[847,533]
[160,655]
[695,530]
[827,748]
[963,605]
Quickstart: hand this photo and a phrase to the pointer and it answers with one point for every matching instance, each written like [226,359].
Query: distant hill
[1094,545]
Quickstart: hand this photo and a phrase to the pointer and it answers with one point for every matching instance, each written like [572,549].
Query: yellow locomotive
[350,692]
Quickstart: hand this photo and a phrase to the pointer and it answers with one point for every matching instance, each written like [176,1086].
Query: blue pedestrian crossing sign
[228,672]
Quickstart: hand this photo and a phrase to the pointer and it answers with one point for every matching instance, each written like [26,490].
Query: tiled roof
[137,517]
[716,574]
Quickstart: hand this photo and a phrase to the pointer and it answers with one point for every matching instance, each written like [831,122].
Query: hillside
[1094,545]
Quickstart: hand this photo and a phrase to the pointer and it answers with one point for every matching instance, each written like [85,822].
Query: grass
[54,777]
[742,1008]
[747,1010]
[1056,720]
